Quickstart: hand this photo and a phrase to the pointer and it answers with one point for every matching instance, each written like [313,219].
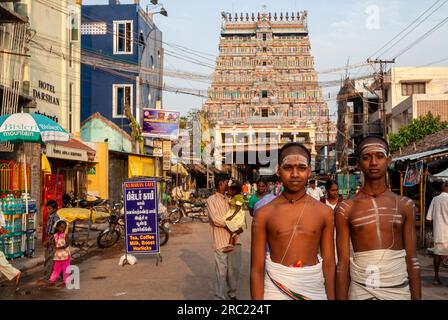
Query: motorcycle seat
[87,204]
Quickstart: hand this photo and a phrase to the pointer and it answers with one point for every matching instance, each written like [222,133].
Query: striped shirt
[218,205]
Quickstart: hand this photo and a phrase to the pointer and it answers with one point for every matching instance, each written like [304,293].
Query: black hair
[291,145]
[236,186]
[368,137]
[329,183]
[444,185]
[52,203]
[312,181]
[264,180]
[221,177]
[61,222]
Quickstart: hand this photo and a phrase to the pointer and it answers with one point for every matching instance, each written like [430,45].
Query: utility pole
[383,64]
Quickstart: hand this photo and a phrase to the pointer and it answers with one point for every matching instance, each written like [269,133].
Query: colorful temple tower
[264,90]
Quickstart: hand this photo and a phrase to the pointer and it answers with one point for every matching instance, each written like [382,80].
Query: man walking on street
[227,264]
[381,226]
[295,226]
[314,191]
[438,215]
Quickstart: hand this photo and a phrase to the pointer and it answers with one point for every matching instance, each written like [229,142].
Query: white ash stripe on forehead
[295,157]
[374,147]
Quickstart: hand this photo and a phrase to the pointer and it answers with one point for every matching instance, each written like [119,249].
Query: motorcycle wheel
[107,239]
[175,216]
[164,235]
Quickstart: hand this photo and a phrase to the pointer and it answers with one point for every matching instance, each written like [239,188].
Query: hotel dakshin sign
[46,93]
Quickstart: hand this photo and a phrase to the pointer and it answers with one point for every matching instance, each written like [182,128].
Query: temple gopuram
[265,91]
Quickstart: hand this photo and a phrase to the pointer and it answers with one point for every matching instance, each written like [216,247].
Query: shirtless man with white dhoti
[295,226]
[381,226]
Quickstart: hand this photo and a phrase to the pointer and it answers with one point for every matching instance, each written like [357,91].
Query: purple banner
[161,123]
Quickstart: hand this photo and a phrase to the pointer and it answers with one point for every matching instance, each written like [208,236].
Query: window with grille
[123,37]
[408,89]
[122,96]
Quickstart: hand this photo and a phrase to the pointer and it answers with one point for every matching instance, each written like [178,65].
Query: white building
[54,69]
[412,92]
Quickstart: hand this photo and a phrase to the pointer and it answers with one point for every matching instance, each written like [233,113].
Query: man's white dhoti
[6,268]
[288,283]
[379,275]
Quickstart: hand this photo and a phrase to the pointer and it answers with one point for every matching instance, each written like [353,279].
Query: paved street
[186,273]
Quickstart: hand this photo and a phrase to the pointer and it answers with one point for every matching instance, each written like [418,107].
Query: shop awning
[179,169]
[139,166]
[45,164]
[422,155]
[71,150]
[199,168]
[443,174]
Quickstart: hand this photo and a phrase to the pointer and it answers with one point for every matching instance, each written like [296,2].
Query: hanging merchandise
[413,174]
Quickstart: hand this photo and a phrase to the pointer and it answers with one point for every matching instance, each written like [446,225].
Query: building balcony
[12,12]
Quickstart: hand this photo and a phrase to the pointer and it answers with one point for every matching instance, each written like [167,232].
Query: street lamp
[162,11]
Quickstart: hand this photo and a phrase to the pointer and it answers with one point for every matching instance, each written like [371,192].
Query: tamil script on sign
[142,234]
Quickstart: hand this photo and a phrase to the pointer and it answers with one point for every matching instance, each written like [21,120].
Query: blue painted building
[122,59]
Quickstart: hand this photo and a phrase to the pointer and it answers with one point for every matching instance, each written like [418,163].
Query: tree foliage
[416,130]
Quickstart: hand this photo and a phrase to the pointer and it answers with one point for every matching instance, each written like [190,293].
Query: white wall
[49,62]
[436,82]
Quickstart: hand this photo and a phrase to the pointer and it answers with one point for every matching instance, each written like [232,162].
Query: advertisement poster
[413,174]
[162,124]
[141,221]
[167,155]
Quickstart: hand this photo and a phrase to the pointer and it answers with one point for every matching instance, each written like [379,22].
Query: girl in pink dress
[61,255]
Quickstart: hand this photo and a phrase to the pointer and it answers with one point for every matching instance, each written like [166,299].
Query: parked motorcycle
[164,225]
[70,201]
[108,237]
[184,208]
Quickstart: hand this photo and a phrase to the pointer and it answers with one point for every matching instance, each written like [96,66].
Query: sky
[341,32]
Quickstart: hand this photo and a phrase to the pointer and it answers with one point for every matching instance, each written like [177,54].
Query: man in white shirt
[5,267]
[438,214]
[314,191]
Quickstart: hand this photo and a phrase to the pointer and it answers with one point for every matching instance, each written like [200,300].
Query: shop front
[124,165]
[67,172]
